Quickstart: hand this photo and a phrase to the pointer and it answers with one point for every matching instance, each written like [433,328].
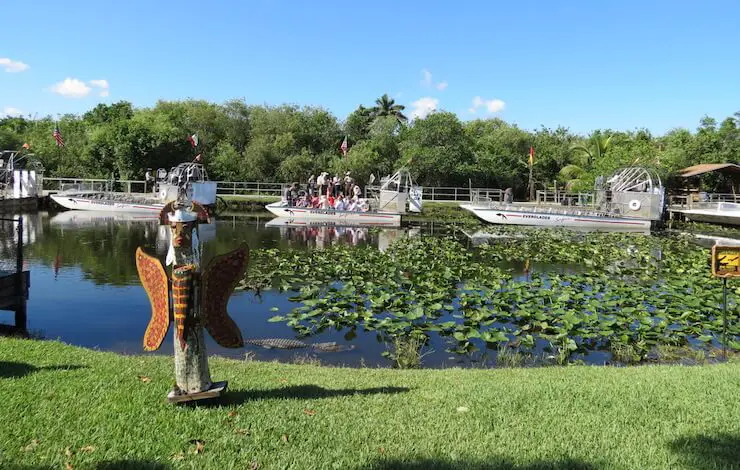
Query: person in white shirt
[321,183]
[335,185]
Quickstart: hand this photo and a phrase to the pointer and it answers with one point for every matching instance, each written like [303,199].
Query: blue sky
[581,64]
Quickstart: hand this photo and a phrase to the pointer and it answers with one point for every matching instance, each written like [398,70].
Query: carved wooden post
[191,358]
[198,301]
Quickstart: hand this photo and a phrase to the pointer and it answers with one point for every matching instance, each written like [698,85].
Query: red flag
[344,146]
[193,139]
[531,155]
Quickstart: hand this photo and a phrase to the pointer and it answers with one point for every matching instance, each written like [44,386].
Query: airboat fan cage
[636,179]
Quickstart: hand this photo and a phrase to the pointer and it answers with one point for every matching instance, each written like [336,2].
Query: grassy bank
[66,405]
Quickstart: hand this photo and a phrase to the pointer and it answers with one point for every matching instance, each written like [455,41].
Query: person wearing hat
[349,182]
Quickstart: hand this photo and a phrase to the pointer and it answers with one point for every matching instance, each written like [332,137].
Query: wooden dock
[14,285]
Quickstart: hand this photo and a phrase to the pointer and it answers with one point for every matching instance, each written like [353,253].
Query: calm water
[85,289]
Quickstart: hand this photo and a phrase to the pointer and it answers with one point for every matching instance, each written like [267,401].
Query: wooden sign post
[725,264]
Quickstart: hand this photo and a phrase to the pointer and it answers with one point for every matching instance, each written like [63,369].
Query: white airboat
[632,199]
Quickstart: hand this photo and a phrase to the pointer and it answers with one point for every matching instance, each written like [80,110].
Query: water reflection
[85,288]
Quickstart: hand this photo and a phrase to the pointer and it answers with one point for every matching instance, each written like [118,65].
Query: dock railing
[253,188]
[700,200]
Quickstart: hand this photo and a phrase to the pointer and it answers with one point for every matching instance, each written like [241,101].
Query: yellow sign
[726,261]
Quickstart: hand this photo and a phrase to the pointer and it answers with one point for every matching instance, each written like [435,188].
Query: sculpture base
[214,392]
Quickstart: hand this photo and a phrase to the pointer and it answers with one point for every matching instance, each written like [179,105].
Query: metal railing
[250,188]
[564,197]
[94,184]
[700,200]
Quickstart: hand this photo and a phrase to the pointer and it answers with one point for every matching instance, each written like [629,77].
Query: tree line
[241,142]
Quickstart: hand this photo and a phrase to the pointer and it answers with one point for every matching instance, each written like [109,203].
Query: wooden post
[19,305]
[191,363]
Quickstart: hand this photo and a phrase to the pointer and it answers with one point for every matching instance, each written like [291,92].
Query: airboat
[632,199]
[396,196]
[21,175]
[190,175]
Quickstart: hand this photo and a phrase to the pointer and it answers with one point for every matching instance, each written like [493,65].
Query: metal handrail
[255,188]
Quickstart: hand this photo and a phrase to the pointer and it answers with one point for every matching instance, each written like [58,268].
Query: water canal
[530,299]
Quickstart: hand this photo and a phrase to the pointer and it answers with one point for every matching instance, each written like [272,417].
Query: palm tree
[584,158]
[386,106]
[598,145]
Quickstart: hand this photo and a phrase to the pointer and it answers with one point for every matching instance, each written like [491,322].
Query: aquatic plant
[581,292]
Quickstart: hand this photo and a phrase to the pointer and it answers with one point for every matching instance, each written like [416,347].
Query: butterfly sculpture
[198,299]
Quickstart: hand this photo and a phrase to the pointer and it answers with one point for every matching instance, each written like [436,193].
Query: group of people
[326,192]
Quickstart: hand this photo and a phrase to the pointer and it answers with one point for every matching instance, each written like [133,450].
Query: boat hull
[104,205]
[337,217]
[712,217]
[557,220]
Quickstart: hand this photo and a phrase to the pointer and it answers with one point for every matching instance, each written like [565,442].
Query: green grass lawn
[64,405]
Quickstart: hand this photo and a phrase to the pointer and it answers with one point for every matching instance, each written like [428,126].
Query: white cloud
[495,106]
[71,88]
[13,65]
[492,106]
[103,85]
[427,81]
[423,107]
[10,111]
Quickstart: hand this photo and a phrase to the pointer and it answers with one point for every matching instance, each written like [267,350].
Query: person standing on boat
[289,194]
[509,196]
[349,182]
[336,184]
[149,179]
[321,183]
[311,184]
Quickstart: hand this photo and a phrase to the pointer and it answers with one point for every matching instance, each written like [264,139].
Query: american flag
[344,146]
[58,137]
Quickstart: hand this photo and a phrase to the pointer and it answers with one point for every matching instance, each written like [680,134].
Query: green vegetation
[68,407]
[287,143]
[443,212]
[627,294]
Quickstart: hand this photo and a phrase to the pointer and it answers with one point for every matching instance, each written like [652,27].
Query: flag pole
[531,165]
